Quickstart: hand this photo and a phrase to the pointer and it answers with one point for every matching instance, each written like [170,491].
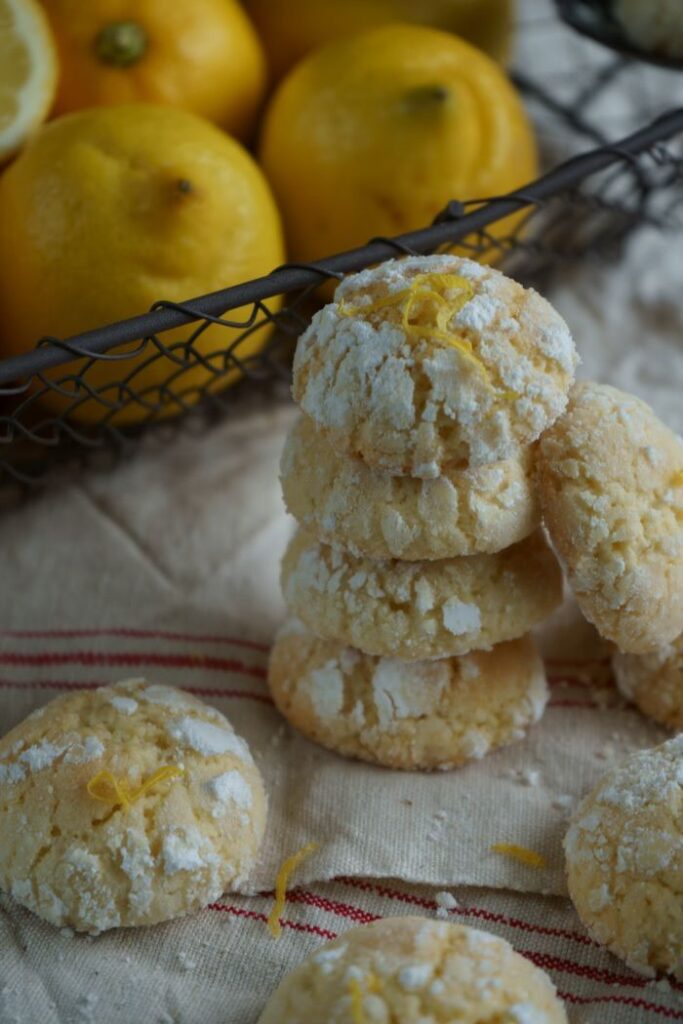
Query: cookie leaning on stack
[420,568]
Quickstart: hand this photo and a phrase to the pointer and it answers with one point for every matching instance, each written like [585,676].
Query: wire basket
[583,209]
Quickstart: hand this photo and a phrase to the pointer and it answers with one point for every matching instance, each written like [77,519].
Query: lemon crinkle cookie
[417,610]
[625,862]
[654,682]
[654,25]
[611,486]
[419,714]
[411,969]
[425,362]
[127,805]
[372,513]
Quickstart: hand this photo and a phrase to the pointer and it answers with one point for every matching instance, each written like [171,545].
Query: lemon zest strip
[287,868]
[356,995]
[522,854]
[101,786]
[422,288]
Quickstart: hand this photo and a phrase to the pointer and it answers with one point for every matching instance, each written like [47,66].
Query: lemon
[291,30]
[201,55]
[110,209]
[28,72]
[375,133]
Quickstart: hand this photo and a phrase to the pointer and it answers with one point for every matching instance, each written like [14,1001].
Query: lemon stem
[121,43]
[427,96]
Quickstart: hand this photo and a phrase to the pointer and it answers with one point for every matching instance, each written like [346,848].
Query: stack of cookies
[419,567]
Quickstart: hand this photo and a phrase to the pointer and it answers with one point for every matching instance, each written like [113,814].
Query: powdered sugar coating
[462,512]
[415,403]
[654,682]
[207,738]
[417,610]
[419,714]
[95,864]
[615,514]
[624,851]
[412,970]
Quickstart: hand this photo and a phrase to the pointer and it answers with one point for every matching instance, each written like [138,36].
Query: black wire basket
[55,416]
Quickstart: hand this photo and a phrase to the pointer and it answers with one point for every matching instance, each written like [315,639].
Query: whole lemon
[201,55]
[290,30]
[109,210]
[374,134]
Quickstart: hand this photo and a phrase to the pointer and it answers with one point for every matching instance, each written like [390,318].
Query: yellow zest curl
[356,994]
[106,787]
[372,984]
[287,867]
[521,854]
[422,297]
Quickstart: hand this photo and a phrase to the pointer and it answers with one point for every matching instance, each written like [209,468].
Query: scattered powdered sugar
[74,750]
[444,903]
[230,787]
[478,313]
[137,863]
[459,617]
[126,705]
[187,962]
[209,739]
[41,756]
[186,849]
[167,696]
[526,1013]
[327,690]
[82,752]
[413,977]
[326,959]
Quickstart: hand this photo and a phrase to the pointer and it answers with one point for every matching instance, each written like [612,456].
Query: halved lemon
[28,72]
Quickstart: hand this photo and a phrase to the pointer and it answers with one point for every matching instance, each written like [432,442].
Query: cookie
[624,860]
[610,478]
[432,361]
[417,610]
[126,805]
[654,682]
[411,969]
[463,512]
[414,714]
[652,24]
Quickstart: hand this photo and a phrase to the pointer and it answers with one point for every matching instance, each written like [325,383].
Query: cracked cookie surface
[126,805]
[624,856]
[654,682]
[462,512]
[417,610]
[431,361]
[610,477]
[418,714]
[414,970]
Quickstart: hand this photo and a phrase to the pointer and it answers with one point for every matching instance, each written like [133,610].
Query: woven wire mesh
[584,210]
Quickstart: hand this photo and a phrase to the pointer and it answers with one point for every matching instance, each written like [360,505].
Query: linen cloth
[168,568]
